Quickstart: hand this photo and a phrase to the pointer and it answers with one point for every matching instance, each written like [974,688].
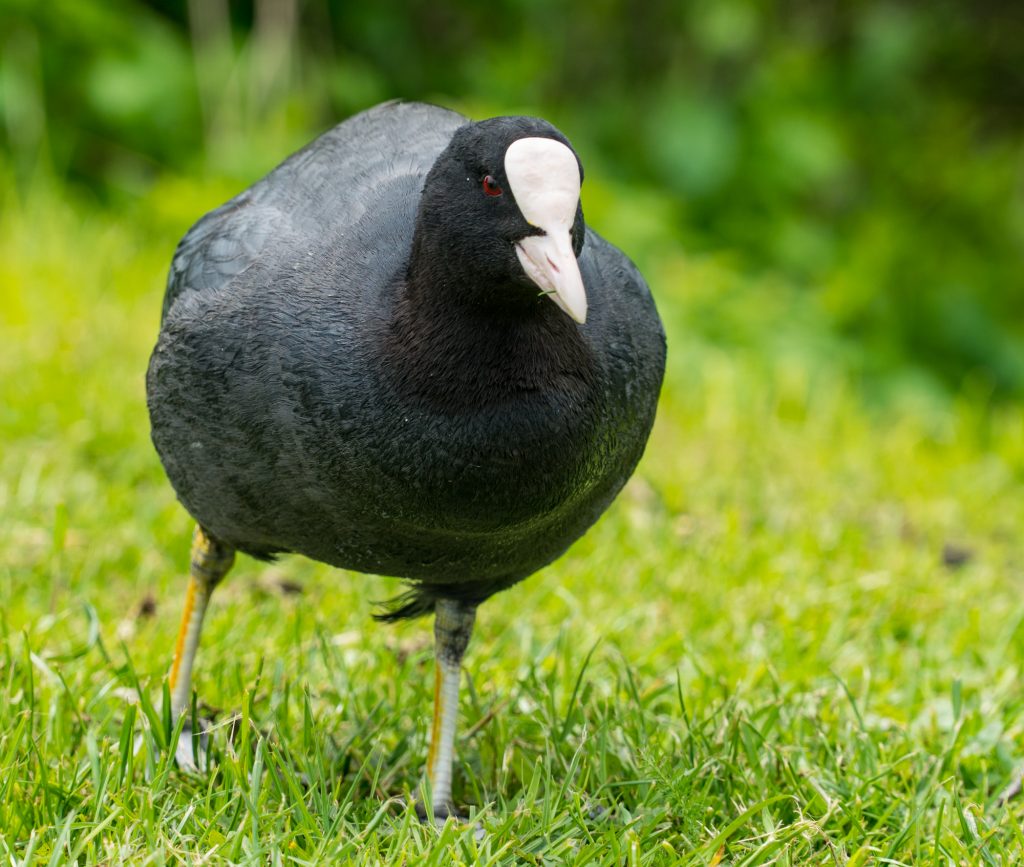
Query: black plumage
[352,365]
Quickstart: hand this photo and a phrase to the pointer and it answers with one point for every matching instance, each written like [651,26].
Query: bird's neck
[453,345]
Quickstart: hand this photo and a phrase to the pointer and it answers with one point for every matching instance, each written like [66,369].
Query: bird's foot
[442,812]
[1013,790]
[192,750]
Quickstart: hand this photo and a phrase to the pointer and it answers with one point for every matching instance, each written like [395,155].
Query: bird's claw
[192,749]
[441,813]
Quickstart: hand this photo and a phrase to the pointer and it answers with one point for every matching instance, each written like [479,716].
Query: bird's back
[374,162]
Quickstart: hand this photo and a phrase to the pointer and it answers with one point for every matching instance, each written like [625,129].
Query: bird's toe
[441,812]
[191,751]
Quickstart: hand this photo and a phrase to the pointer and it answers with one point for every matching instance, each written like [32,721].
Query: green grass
[758,656]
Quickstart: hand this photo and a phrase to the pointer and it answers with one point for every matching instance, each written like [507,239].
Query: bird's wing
[625,325]
[317,192]
[611,273]
[222,245]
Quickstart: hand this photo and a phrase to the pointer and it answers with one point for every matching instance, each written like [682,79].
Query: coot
[402,352]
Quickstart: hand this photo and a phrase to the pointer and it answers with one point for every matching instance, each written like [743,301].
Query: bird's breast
[496,466]
[478,470]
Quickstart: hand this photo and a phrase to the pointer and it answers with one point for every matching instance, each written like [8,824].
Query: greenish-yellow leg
[210,562]
[453,624]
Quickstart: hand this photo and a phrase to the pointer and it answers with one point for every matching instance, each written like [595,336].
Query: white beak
[545,179]
[549,261]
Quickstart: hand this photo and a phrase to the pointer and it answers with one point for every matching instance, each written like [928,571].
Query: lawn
[795,638]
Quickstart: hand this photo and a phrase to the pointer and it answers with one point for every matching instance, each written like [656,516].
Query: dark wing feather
[222,245]
[315,194]
[625,327]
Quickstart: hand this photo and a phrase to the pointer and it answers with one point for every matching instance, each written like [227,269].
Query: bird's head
[501,211]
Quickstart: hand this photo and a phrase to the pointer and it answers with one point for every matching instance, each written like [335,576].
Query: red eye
[491,187]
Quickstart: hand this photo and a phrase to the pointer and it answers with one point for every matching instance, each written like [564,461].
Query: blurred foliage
[868,157]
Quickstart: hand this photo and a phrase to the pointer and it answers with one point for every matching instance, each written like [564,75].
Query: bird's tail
[414,602]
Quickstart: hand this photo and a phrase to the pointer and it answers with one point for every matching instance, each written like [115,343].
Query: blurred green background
[863,161]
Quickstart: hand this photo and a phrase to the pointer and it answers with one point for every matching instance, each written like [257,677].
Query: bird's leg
[210,562]
[453,624]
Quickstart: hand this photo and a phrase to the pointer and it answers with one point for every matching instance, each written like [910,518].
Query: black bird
[402,352]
